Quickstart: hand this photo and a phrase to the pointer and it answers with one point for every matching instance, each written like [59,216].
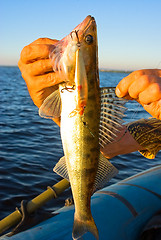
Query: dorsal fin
[112,112]
[51,107]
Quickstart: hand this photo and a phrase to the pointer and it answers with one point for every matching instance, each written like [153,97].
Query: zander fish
[147,132]
[90,118]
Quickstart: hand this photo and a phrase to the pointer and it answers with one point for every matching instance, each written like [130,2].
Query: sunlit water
[30,146]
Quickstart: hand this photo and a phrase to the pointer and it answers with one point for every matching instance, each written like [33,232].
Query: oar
[34,204]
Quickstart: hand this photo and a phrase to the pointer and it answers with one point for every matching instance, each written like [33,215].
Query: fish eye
[89,39]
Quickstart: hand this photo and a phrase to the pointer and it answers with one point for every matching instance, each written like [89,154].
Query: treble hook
[69,89]
[76,33]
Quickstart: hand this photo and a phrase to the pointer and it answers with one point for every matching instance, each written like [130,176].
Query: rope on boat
[34,204]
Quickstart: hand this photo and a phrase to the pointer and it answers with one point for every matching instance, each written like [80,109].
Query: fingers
[154,109]
[47,80]
[45,41]
[36,68]
[150,94]
[145,87]
[39,75]
[35,52]
[139,85]
[129,84]
[123,86]
[37,83]
[39,49]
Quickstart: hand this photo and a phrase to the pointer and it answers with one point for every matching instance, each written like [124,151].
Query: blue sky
[129,31]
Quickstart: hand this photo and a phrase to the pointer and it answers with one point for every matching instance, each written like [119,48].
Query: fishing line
[134,112]
[158,65]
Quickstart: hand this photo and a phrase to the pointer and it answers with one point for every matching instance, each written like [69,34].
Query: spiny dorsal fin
[112,112]
[105,171]
[51,107]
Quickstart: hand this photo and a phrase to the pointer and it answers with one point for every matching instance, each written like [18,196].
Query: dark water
[30,146]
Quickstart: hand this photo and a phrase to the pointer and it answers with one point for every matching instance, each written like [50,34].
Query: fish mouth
[88,21]
[85,24]
[82,28]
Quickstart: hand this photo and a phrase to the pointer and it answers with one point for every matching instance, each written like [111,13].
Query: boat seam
[146,189]
[122,199]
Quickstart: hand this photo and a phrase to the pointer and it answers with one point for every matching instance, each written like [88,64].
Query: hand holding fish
[37,70]
[142,135]
[145,87]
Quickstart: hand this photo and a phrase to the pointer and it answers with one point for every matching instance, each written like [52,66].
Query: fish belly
[81,148]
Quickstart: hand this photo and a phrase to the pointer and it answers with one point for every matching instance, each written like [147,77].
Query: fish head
[87,35]
[63,53]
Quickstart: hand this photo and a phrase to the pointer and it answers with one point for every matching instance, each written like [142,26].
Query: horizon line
[100,69]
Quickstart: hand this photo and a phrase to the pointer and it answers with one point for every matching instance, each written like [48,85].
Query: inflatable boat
[120,211]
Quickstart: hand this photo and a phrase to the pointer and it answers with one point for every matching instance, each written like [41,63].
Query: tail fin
[81,227]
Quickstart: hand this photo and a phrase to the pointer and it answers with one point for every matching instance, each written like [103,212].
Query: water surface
[30,146]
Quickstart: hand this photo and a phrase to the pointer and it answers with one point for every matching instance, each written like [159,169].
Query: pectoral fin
[51,107]
[105,171]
